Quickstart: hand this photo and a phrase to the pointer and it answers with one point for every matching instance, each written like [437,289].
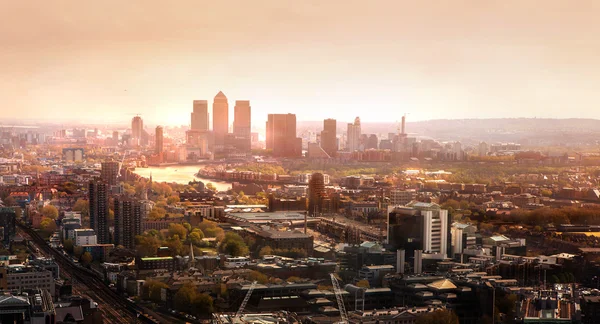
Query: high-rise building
[419,226]
[328,137]
[98,202]
[115,137]
[316,194]
[281,136]
[220,119]
[242,125]
[137,125]
[158,140]
[8,218]
[128,221]
[372,142]
[110,172]
[200,115]
[353,136]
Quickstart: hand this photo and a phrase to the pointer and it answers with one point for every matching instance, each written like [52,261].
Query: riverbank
[182,174]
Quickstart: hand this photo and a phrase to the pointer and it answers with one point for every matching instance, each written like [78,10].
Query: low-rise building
[84,236]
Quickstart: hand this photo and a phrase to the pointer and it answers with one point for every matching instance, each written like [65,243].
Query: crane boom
[338,296]
[245,301]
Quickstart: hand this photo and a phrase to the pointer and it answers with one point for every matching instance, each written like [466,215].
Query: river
[179,174]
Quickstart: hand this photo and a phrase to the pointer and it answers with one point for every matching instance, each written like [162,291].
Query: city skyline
[457,60]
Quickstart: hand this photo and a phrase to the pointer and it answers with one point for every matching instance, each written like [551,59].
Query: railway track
[114,307]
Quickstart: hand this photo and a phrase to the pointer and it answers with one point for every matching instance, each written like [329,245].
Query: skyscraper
[220,119]
[281,135]
[128,221]
[242,114]
[200,115]
[158,138]
[98,201]
[137,125]
[354,132]
[110,172]
[328,137]
[316,193]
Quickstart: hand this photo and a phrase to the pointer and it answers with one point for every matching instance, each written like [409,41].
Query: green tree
[68,245]
[151,290]
[175,245]
[188,227]
[50,212]
[202,305]
[86,258]
[196,237]
[184,297]
[294,279]
[234,245]
[210,186]
[438,317]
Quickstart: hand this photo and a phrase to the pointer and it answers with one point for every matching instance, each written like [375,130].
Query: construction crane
[245,301]
[338,296]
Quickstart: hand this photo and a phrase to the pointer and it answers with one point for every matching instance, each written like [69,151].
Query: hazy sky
[92,60]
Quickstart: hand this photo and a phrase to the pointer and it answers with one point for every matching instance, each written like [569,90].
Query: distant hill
[527,131]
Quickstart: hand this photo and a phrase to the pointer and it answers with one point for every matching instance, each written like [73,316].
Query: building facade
[128,221]
[281,136]
[98,201]
[353,136]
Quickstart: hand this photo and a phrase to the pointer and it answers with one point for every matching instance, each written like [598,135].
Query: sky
[109,60]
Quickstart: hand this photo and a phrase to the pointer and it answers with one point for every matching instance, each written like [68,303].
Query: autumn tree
[267,250]
[151,290]
[68,245]
[86,258]
[196,237]
[177,229]
[50,212]
[259,277]
[363,284]
[438,317]
[82,206]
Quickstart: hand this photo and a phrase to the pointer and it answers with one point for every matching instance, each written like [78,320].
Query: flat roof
[156,258]
[269,216]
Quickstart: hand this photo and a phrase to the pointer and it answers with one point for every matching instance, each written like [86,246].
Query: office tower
[328,137]
[158,140]
[98,201]
[242,125]
[128,221]
[137,125]
[281,136]
[419,226]
[200,115]
[353,136]
[115,137]
[372,142]
[220,119]
[316,194]
[110,172]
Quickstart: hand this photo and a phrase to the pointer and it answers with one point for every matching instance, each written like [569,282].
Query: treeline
[556,216]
